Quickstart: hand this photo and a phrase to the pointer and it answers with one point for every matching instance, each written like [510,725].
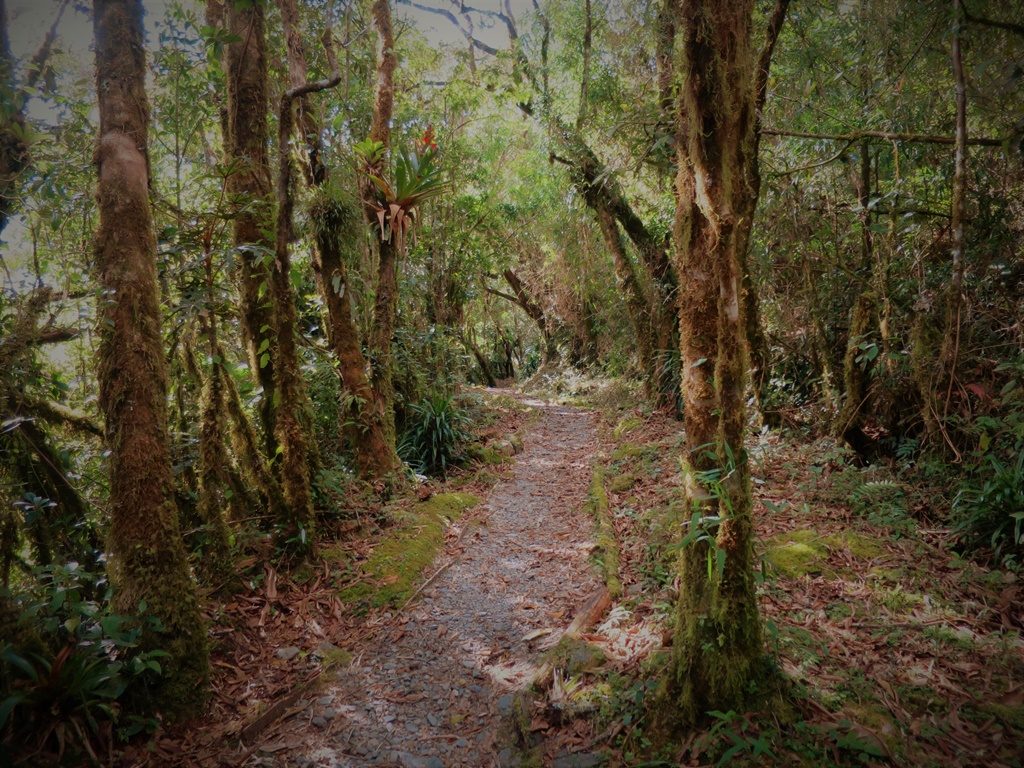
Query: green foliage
[63,683]
[414,179]
[988,511]
[883,502]
[436,432]
[733,737]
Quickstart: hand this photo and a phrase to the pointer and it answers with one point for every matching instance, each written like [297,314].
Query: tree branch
[61,414]
[918,138]
[1008,26]
[476,43]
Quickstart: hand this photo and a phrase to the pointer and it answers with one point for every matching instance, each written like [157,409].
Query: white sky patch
[30,20]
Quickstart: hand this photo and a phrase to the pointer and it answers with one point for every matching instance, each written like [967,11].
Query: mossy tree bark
[336,231]
[250,187]
[718,653]
[756,342]
[535,311]
[216,491]
[385,309]
[291,432]
[637,301]
[148,559]
[15,152]
[604,196]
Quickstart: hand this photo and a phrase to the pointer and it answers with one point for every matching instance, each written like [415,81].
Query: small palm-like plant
[415,178]
[435,435]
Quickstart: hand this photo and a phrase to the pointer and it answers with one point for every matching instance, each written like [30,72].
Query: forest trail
[431,687]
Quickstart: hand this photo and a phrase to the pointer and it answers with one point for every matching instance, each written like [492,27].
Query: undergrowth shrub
[988,507]
[988,510]
[883,503]
[75,678]
[435,434]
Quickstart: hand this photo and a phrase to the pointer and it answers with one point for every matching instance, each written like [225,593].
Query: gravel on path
[431,688]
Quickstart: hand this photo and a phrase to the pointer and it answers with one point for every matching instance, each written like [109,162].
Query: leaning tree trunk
[148,560]
[718,654]
[335,223]
[250,186]
[636,299]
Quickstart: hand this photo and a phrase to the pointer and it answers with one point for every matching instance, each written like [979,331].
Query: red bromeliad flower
[427,143]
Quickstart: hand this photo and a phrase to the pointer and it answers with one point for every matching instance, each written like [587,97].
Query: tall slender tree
[246,143]
[385,308]
[148,562]
[336,232]
[718,654]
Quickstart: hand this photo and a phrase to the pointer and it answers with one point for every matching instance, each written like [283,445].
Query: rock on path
[432,689]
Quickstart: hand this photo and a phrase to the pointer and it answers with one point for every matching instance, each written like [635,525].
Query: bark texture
[718,654]
[147,557]
[386,301]
[250,187]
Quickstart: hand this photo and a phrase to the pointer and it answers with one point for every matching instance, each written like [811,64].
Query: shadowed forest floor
[897,651]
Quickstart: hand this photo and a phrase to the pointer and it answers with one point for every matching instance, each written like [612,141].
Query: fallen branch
[592,610]
[275,711]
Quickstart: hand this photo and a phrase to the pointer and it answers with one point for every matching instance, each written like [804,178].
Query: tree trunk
[636,299]
[250,187]
[386,303]
[14,150]
[215,492]
[954,300]
[291,432]
[148,560]
[336,231]
[536,313]
[718,654]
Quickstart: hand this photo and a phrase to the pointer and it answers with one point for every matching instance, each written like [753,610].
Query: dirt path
[430,689]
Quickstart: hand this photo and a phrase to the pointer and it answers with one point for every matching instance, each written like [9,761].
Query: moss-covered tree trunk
[637,302]
[250,187]
[147,560]
[337,233]
[718,654]
[385,309]
[291,430]
[522,297]
[749,158]
[14,150]
[215,485]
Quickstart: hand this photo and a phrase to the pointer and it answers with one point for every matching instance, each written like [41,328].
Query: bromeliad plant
[415,178]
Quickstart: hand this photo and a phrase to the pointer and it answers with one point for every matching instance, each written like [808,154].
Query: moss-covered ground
[394,567]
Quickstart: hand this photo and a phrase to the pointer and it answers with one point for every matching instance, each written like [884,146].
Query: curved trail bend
[431,689]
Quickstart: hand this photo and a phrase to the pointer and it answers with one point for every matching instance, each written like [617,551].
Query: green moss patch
[796,554]
[620,483]
[486,454]
[801,552]
[626,425]
[857,544]
[575,656]
[390,574]
[607,545]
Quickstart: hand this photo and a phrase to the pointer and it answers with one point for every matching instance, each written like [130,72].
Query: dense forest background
[258,258]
